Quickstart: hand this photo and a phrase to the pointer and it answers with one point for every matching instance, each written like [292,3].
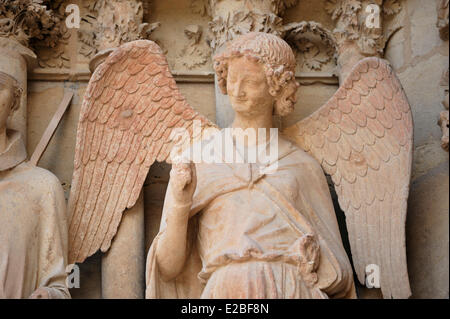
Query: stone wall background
[416,52]
[420,57]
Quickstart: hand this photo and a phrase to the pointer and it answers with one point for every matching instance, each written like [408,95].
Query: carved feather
[368,153]
[130,107]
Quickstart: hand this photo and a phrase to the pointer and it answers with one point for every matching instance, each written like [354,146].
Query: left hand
[40,293]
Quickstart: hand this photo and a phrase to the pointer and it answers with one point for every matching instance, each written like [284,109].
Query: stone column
[123,266]
[231,18]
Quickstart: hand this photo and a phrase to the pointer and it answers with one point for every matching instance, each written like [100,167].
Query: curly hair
[278,61]
[8,81]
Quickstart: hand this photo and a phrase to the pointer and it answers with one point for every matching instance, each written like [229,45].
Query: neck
[244,121]
[3,140]
[254,122]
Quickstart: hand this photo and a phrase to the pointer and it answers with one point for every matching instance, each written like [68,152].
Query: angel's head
[257,70]
[10,92]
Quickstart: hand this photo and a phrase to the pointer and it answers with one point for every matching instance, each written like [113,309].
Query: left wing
[131,107]
[363,138]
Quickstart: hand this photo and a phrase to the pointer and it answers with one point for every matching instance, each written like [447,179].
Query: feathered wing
[363,138]
[130,108]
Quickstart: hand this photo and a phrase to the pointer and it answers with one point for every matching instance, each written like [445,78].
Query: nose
[237,90]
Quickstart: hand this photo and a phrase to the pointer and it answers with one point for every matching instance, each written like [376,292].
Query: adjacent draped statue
[248,228]
[33,221]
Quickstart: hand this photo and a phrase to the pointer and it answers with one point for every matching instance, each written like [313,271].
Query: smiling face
[259,57]
[247,87]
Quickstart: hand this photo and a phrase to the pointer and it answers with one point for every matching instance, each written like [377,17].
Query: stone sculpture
[442,24]
[33,222]
[233,229]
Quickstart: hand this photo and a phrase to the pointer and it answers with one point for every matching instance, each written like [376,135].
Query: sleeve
[186,285]
[334,260]
[53,242]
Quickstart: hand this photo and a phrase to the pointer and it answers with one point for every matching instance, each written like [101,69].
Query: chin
[241,108]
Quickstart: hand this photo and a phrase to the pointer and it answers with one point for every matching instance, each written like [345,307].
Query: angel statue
[234,229]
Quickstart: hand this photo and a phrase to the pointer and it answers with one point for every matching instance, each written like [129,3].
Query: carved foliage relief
[350,17]
[108,24]
[249,15]
[313,44]
[31,22]
[241,22]
[39,25]
[196,52]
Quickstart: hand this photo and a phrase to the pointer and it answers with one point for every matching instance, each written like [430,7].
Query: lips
[238,99]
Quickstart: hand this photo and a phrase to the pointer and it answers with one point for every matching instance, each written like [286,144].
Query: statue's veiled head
[257,71]
[9,97]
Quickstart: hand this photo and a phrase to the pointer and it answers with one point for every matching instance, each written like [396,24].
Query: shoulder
[296,155]
[44,176]
[38,178]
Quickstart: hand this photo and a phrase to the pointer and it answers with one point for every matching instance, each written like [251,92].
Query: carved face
[6,103]
[247,87]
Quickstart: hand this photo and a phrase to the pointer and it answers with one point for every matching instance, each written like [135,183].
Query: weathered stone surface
[206,245]
[444,124]
[90,279]
[427,234]
[415,51]
[43,100]
[395,52]
[155,188]
[201,97]
[33,221]
[423,26]
[428,156]
[421,84]
[310,97]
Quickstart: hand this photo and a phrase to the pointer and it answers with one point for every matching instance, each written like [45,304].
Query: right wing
[130,108]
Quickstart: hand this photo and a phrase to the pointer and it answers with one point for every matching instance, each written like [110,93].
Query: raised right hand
[183,183]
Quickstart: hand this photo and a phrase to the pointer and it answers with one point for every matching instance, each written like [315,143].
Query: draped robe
[33,227]
[246,224]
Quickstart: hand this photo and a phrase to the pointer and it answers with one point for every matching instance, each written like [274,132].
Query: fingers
[181,174]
